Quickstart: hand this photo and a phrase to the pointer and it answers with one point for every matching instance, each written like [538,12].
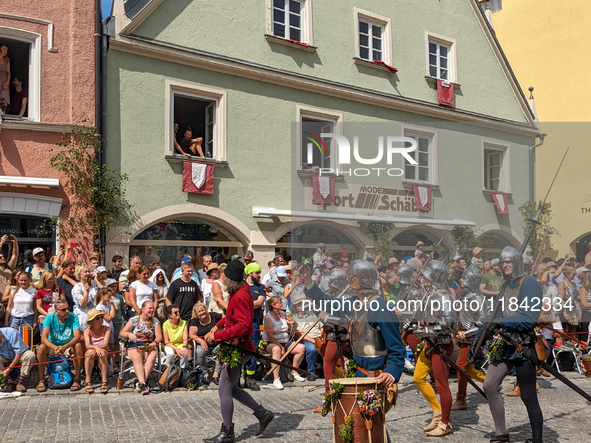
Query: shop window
[199,116]
[301,242]
[373,37]
[24,53]
[30,234]
[408,239]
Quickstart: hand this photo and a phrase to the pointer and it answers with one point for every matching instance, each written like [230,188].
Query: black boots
[500,438]
[225,436]
[264,417]
[251,384]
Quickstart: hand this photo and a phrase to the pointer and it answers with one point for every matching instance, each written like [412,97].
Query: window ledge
[487,192]
[290,43]
[312,173]
[411,184]
[360,61]
[430,79]
[174,158]
[13,122]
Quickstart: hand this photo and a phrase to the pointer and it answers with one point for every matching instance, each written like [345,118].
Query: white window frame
[322,115]
[419,131]
[219,96]
[505,173]
[451,59]
[34,80]
[305,21]
[374,19]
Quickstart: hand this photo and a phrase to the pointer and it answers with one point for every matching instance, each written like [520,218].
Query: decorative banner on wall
[197,177]
[445,93]
[501,203]
[422,197]
[323,190]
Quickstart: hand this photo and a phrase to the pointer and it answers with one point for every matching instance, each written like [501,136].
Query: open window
[496,175]
[316,151]
[199,116]
[24,53]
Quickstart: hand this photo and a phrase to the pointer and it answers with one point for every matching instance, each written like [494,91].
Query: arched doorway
[580,247]
[493,244]
[166,242]
[301,242]
[407,241]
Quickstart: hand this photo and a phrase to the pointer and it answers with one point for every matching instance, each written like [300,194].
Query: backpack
[60,376]
[170,378]
[29,268]
[191,376]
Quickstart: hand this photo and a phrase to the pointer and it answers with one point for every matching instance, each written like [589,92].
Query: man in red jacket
[236,325]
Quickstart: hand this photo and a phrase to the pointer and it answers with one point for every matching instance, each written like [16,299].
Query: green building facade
[249,77]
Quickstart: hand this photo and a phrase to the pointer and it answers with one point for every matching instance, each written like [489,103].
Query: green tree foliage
[528,211]
[383,242]
[465,239]
[97,193]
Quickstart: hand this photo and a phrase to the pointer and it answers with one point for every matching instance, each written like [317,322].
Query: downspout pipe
[98,26]
[532,167]
[104,47]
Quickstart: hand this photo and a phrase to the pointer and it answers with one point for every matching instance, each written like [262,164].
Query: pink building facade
[51,48]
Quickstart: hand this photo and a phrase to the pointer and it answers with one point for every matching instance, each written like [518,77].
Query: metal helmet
[527,264]
[514,256]
[472,277]
[365,272]
[437,273]
[338,279]
[405,272]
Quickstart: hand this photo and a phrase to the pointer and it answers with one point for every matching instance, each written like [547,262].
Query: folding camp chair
[26,333]
[570,348]
[126,365]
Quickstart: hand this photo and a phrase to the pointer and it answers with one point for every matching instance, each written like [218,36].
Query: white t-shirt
[144,292]
[206,290]
[22,302]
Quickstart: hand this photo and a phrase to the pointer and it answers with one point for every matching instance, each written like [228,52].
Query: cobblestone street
[191,416]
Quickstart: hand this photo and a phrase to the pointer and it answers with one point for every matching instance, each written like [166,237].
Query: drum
[371,432]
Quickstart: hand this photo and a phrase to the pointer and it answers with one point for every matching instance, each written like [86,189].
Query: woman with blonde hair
[201,323]
[278,325]
[84,294]
[47,294]
[12,285]
[144,333]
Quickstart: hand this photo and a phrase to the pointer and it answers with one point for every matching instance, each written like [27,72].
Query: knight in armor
[374,331]
[439,329]
[516,318]
[408,293]
[335,334]
[471,317]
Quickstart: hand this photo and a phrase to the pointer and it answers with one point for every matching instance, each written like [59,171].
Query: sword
[243,350]
[527,352]
[535,221]
[453,364]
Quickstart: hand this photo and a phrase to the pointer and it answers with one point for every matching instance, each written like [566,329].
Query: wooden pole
[292,347]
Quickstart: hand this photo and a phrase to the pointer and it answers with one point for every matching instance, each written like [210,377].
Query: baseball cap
[252,267]
[582,269]
[281,271]
[495,261]
[320,245]
[186,259]
[110,281]
[235,257]
[37,251]
[457,257]
[370,259]
[344,254]
[392,260]
[100,269]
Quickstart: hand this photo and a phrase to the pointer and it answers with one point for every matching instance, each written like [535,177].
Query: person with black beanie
[236,325]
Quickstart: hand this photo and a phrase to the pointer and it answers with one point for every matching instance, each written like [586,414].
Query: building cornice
[168,52]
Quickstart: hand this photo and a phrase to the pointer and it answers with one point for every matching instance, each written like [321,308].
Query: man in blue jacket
[518,318]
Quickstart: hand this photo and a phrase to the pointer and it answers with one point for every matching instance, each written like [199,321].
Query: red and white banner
[501,203]
[445,93]
[197,177]
[422,197]
[323,190]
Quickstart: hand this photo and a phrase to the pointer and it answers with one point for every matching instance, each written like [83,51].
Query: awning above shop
[29,181]
[274,212]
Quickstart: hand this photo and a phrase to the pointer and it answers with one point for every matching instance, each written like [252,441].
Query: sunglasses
[247,260]
[63,310]
[176,313]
